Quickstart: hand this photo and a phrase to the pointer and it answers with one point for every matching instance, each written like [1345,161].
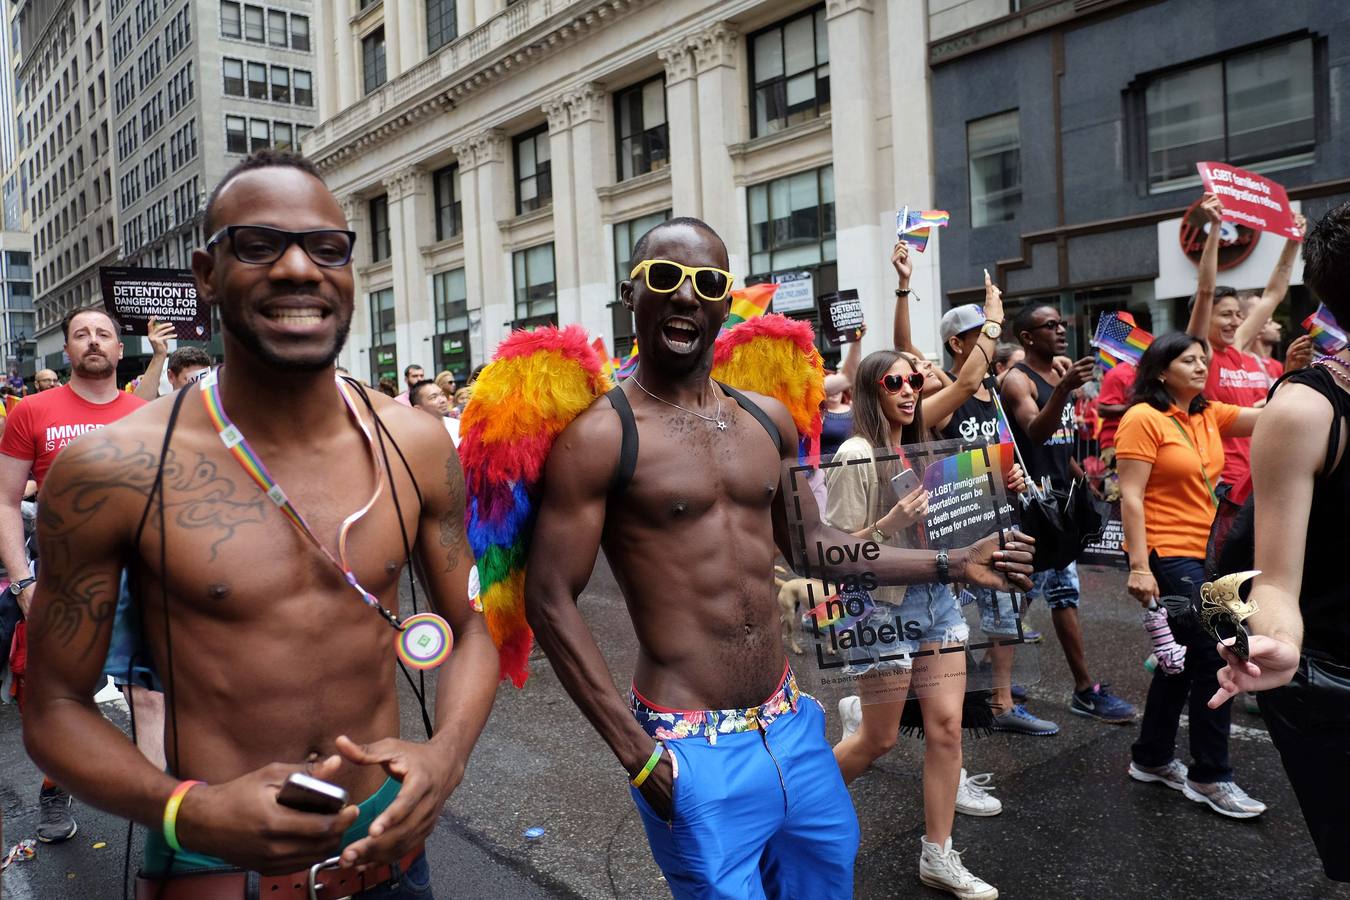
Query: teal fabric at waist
[159,856]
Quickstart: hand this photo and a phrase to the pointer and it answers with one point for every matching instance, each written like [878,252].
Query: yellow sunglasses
[665,277]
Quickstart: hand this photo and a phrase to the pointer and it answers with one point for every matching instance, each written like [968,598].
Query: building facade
[64,129]
[1068,165]
[18,322]
[498,161]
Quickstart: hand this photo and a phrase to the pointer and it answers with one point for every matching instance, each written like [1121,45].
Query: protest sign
[1250,199]
[1109,549]
[795,293]
[136,295]
[841,316]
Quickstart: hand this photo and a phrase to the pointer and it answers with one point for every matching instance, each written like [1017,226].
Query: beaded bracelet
[171,813]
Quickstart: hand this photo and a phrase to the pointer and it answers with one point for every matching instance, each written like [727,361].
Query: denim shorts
[998,612]
[1059,587]
[927,615]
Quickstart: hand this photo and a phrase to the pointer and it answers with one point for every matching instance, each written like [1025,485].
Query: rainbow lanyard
[248,459]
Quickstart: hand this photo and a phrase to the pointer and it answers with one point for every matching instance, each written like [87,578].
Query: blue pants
[757,814]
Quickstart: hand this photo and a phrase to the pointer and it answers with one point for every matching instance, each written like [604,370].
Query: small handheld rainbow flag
[629,365]
[1119,340]
[749,302]
[833,612]
[1327,335]
[914,225]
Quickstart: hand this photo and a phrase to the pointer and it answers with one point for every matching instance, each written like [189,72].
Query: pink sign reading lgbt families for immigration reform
[1250,199]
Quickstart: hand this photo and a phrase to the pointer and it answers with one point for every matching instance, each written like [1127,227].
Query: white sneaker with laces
[973,797]
[850,713]
[1225,798]
[940,867]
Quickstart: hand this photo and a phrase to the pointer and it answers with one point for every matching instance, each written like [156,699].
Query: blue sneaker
[1019,721]
[1099,703]
[1019,693]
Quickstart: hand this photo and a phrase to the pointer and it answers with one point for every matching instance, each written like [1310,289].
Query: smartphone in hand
[904,484]
[306,794]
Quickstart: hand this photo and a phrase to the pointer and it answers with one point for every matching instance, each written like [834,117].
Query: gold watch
[992,330]
[879,536]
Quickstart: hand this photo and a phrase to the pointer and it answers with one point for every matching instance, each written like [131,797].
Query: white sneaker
[973,797]
[850,713]
[941,868]
[1225,798]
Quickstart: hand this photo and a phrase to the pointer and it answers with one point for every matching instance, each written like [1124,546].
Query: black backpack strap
[760,415]
[628,447]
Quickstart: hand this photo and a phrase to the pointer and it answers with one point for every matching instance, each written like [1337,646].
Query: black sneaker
[55,824]
[1099,703]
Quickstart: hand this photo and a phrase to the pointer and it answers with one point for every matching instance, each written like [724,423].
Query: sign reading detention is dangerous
[137,295]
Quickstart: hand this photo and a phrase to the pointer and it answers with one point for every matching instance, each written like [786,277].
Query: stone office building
[498,161]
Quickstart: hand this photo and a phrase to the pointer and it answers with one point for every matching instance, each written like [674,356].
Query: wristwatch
[992,329]
[944,573]
[18,587]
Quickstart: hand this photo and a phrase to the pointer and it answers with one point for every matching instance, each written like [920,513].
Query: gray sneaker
[55,823]
[1225,798]
[1173,774]
[1019,721]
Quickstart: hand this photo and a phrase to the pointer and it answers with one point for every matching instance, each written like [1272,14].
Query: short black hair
[1148,386]
[1220,291]
[1326,262]
[1023,322]
[640,248]
[410,367]
[70,317]
[418,389]
[188,358]
[266,158]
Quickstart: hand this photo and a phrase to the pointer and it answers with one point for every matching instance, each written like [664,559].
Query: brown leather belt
[322,881]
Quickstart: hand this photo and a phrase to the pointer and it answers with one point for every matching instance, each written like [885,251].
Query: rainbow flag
[749,302]
[970,464]
[832,612]
[1327,335]
[1119,340]
[914,225]
[629,365]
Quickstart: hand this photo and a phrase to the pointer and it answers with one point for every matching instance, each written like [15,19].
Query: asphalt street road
[1074,825]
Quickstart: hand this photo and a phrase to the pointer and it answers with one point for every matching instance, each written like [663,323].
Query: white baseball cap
[959,320]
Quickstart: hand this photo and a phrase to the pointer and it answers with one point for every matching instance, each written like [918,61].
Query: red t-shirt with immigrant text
[1238,378]
[43,424]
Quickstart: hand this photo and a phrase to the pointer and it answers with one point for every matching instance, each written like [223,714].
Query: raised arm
[1198,326]
[465,684]
[939,407]
[566,540]
[1283,478]
[901,335]
[1276,288]
[852,358]
[160,335]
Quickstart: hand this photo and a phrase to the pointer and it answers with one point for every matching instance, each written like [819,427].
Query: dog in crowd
[795,596]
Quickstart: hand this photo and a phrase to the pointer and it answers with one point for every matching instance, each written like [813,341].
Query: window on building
[441,25]
[372,60]
[383,337]
[259,134]
[379,228]
[276,28]
[1253,109]
[304,88]
[281,84]
[234,76]
[626,235]
[231,21]
[534,179]
[451,341]
[643,139]
[994,147]
[253,24]
[257,81]
[282,137]
[536,287]
[299,32]
[789,72]
[445,185]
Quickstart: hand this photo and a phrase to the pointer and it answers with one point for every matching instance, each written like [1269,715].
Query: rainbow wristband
[171,813]
[640,777]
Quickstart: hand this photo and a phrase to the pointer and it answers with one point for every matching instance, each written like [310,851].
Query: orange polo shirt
[1178,510]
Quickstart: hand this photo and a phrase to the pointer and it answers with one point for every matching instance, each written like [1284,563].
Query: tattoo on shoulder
[452,521]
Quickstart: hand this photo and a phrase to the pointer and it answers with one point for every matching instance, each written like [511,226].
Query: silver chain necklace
[716,419]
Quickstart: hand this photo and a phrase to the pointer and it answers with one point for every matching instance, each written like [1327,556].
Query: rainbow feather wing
[777,356]
[537,383]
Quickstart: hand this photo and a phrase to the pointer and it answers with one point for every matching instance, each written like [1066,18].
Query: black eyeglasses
[259,245]
[1053,325]
[893,383]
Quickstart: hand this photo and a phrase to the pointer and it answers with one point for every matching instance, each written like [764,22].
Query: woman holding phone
[863,502]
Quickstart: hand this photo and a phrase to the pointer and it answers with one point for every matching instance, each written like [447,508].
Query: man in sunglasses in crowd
[678,478]
[273,663]
[1039,404]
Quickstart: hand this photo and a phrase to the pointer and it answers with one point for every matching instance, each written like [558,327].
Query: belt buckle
[312,884]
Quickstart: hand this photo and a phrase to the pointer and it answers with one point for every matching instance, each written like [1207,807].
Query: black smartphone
[311,795]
